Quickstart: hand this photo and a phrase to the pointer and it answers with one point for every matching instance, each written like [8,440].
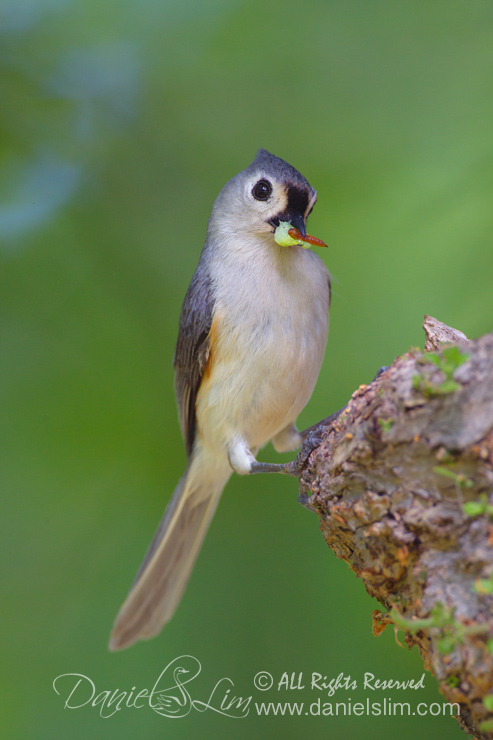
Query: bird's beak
[298,222]
[293,233]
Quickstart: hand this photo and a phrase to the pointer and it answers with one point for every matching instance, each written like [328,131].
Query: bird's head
[270,197]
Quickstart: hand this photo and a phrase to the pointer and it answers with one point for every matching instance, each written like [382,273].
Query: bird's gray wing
[192,350]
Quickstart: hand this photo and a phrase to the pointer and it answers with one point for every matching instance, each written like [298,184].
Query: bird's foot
[312,438]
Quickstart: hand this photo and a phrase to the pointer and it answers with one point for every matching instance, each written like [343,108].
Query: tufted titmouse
[252,336]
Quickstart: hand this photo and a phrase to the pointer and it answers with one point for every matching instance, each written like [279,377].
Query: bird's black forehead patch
[297,199]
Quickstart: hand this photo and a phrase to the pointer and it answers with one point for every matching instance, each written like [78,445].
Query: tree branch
[402,481]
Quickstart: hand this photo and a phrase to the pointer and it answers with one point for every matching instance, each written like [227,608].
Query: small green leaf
[448,362]
[386,424]
[460,479]
[453,681]
[448,386]
[454,356]
[488,702]
[442,616]
[446,645]
[433,357]
[484,586]
[445,472]
[473,508]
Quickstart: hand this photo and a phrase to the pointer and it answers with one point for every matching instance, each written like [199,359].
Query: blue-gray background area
[120,122]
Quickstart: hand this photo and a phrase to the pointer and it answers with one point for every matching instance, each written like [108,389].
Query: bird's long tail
[166,568]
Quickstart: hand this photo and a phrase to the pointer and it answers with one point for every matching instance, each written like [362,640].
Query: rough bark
[402,480]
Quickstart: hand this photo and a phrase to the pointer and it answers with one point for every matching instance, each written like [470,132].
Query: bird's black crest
[270,164]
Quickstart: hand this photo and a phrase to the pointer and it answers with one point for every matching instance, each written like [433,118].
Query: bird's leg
[243,461]
[240,457]
[260,467]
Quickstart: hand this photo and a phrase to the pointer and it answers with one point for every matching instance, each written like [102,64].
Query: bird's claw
[312,440]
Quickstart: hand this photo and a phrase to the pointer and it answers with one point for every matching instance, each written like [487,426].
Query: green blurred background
[119,124]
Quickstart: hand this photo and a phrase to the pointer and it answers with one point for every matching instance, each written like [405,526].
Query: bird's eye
[262,190]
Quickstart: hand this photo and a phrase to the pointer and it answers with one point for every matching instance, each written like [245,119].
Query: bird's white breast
[270,330]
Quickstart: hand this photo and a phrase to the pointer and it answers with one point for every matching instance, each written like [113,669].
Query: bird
[252,335]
